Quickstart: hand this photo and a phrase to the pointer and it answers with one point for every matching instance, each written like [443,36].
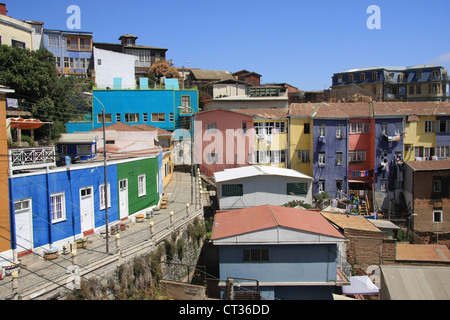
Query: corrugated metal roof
[415,283]
[423,252]
[200,74]
[256,170]
[241,221]
[429,165]
[267,113]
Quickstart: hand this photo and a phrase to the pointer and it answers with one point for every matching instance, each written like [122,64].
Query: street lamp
[104,166]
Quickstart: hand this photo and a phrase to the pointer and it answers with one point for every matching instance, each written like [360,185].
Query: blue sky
[294,41]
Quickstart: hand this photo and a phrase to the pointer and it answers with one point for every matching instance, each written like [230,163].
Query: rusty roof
[432,165]
[346,221]
[120,126]
[229,223]
[423,252]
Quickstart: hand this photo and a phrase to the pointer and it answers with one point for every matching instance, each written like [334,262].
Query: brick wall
[365,248]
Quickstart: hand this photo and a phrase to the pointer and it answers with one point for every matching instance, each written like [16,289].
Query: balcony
[186,111]
[31,158]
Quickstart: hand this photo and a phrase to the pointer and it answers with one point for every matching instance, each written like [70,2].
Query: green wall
[131,171]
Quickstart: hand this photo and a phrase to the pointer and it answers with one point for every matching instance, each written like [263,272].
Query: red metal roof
[229,223]
[429,165]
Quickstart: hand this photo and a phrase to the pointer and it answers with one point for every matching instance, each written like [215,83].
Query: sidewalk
[38,277]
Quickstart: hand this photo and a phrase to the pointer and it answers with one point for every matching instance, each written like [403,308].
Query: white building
[257,185]
[114,70]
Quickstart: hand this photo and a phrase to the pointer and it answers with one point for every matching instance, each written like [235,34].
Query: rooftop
[242,221]
[422,252]
[257,170]
[346,221]
[433,165]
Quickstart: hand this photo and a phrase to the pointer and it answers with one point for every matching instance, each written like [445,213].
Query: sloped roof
[268,113]
[120,126]
[433,165]
[242,221]
[423,252]
[415,283]
[200,74]
[347,221]
[256,170]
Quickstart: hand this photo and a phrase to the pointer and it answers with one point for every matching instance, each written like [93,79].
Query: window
[411,90]
[102,196]
[443,151]
[384,128]
[232,190]
[66,62]
[384,185]
[303,155]
[171,117]
[131,117]
[339,131]
[278,156]
[436,186]
[437,216]
[58,207]
[419,75]
[211,126]
[297,188]
[118,117]
[108,117]
[84,150]
[306,128]
[398,128]
[322,130]
[362,77]
[244,127]
[435,74]
[144,117]
[158,117]
[186,103]
[53,41]
[255,255]
[351,78]
[419,89]
[99,62]
[442,125]
[22,205]
[339,158]
[359,127]
[339,185]
[374,76]
[321,186]
[58,62]
[263,128]
[321,158]
[435,88]
[141,186]
[339,79]
[357,155]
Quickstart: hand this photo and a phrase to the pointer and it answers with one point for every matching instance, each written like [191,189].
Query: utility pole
[106,182]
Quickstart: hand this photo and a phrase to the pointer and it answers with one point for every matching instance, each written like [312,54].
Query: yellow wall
[15,29]
[417,137]
[277,142]
[4,190]
[300,141]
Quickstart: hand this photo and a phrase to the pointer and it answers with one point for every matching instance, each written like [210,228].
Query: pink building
[223,139]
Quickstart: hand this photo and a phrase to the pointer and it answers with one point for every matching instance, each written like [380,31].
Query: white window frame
[131,117]
[339,158]
[142,188]
[303,156]
[211,126]
[429,126]
[322,159]
[356,155]
[441,218]
[58,212]
[339,131]
[359,127]
[321,186]
[322,130]
[102,196]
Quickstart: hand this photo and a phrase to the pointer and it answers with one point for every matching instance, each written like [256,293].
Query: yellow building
[420,137]
[5,235]
[300,137]
[16,33]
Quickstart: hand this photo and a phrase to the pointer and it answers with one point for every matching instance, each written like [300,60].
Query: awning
[360,285]
[25,124]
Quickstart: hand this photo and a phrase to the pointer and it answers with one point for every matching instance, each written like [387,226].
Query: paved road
[40,279]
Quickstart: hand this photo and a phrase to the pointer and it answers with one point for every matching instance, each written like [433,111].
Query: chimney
[3,10]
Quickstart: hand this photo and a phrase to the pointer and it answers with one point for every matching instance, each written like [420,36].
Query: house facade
[291,253]
[426,188]
[415,83]
[14,32]
[164,109]
[51,207]
[72,51]
[258,184]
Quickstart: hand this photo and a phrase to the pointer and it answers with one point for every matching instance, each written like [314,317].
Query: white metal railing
[32,157]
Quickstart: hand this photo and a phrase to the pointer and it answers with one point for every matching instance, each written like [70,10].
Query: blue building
[51,207]
[413,83]
[72,50]
[442,136]
[330,150]
[279,252]
[164,109]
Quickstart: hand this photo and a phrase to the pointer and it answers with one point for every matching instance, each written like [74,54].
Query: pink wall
[206,143]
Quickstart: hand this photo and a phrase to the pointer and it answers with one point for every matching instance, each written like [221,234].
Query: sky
[298,42]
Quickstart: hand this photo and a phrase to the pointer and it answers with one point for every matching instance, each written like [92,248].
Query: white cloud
[442,59]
